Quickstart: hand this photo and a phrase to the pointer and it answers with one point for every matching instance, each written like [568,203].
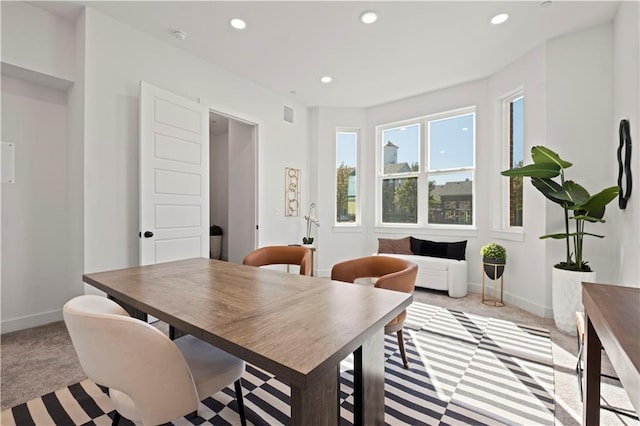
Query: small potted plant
[494,257]
[215,242]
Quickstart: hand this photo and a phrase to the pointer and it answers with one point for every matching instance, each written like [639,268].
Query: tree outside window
[515,118]
[346,177]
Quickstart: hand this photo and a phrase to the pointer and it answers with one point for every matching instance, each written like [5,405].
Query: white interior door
[174,177]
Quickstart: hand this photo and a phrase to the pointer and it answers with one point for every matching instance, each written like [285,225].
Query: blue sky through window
[346,149]
[518,131]
[451,142]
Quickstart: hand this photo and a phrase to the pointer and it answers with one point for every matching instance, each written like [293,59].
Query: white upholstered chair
[151,379]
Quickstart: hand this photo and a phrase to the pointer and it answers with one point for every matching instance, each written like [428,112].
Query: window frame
[423,172]
[358,186]
[506,147]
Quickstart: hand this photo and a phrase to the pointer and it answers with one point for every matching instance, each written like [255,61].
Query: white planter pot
[215,246]
[566,297]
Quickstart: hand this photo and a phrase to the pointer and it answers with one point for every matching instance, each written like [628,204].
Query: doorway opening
[233,185]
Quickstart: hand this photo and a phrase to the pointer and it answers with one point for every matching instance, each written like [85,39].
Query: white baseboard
[534,308]
[29,321]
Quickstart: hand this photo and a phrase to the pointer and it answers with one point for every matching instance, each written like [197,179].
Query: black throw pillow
[415,244]
[457,250]
[433,249]
[454,250]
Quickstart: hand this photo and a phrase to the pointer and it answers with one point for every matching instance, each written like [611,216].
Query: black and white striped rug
[465,369]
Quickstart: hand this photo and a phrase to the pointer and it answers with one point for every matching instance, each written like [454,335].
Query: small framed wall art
[292,191]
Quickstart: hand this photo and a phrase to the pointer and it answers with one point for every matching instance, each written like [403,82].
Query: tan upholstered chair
[281,255]
[151,379]
[391,274]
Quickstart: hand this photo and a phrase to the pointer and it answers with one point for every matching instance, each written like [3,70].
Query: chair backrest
[281,255]
[391,273]
[130,356]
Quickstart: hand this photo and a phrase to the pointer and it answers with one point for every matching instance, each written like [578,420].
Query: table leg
[369,381]
[318,403]
[593,356]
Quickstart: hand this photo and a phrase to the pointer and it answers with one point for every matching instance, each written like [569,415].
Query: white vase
[566,297]
[215,246]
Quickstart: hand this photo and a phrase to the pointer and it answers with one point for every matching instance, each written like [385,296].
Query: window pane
[400,149]
[400,200]
[516,154]
[451,142]
[346,154]
[451,198]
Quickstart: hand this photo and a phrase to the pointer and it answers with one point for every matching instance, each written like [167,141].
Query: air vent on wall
[287,114]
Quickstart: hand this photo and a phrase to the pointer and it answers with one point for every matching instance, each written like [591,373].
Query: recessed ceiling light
[499,18]
[180,35]
[464,129]
[326,79]
[238,23]
[546,3]
[368,17]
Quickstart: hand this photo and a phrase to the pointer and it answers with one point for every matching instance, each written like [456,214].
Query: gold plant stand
[493,300]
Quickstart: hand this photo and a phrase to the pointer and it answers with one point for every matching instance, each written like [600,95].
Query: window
[346,179]
[400,170]
[426,170]
[451,169]
[514,114]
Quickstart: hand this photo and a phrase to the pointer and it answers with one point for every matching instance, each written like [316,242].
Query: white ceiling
[415,47]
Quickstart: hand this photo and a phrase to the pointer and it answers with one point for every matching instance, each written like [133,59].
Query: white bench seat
[439,273]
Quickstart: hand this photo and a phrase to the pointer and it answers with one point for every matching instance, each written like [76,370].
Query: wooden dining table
[612,323]
[298,328]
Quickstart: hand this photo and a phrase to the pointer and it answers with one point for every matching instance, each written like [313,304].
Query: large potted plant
[579,207]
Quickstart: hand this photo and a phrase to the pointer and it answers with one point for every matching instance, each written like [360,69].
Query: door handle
[148,234]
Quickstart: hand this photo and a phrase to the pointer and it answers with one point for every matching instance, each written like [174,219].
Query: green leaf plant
[575,200]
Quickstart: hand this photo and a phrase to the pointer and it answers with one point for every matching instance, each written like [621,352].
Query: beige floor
[41,360]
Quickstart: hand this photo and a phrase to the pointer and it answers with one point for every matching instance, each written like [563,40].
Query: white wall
[41,268]
[335,244]
[36,278]
[38,44]
[525,276]
[579,129]
[117,58]
[626,104]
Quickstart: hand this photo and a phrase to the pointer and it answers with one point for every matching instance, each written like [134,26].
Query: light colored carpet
[40,360]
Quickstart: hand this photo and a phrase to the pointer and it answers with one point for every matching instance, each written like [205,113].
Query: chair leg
[116,419]
[240,400]
[402,352]
[579,371]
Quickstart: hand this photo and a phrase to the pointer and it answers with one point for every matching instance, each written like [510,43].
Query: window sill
[510,235]
[347,229]
[450,231]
